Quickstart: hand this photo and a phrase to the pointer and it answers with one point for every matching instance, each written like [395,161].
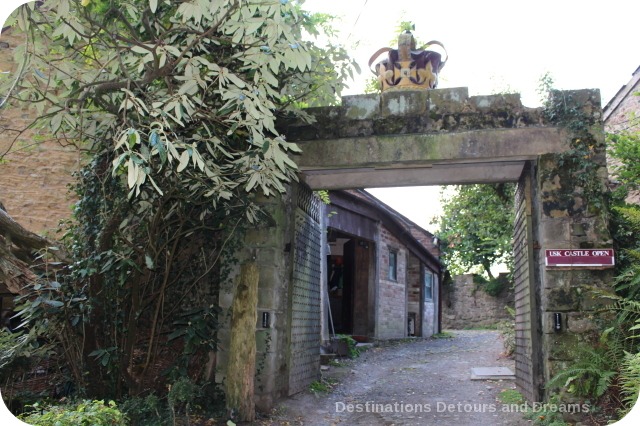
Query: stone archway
[443,136]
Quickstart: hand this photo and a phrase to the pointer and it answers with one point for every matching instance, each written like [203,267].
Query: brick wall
[34,175]
[619,113]
[392,312]
[465,307]
[622,114]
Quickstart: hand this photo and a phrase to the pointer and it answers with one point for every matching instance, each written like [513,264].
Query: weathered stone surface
[581,323]
[504,102]
[562,299]
[361,107]
[452,100]
[492,373]
[404,102]
[466,306]
[490,145]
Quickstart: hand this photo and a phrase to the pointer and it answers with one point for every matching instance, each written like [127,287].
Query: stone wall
[570,218]
[464,305]
[34,172]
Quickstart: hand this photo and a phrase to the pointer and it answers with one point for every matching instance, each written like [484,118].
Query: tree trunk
[242,349]
[16,246]
[14,234]
[14,273]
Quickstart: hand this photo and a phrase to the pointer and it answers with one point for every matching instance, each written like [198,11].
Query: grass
[510,396]
[443,335]
[324,385]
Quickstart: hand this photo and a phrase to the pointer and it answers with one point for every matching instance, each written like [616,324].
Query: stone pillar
[571,214]
[270,245]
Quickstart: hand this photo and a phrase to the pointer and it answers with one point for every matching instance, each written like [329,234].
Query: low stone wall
[465,305]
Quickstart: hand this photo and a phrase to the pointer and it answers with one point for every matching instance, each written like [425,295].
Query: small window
[428,284]
[393,265]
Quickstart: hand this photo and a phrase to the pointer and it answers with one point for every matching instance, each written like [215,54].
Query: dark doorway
[350,275]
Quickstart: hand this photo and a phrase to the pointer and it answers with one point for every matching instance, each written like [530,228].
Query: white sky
[493,45]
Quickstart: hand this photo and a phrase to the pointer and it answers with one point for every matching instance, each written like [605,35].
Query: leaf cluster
[174,104]
[85,412]
[476,227]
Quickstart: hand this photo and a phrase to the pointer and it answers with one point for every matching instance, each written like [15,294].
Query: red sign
[579,257]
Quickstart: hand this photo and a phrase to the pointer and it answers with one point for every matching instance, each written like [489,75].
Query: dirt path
[421,382]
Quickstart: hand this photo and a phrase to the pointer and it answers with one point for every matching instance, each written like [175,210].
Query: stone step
[325,358]
[492,373]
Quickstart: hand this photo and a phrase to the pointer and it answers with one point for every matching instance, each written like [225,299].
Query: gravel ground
[412,382]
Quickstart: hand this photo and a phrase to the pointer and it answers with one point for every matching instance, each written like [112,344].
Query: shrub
[146,411]
[84,413]
[630,380]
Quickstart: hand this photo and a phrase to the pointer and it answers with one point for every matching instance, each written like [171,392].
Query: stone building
[383,270]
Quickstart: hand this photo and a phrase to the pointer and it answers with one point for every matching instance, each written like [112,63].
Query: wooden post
[242,349]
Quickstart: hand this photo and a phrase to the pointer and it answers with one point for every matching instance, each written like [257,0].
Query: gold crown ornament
[407,67]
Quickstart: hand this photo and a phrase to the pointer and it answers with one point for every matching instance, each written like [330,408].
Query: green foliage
[174,105]
[352,350]
[493,287]
[625,147]
[594,367]
[146,411]
[17,348]
[325,385]
[181,395]
[510,396]
[580,160]
[547,416]
[476,227]
[630,381]
[507,331]
[90,413]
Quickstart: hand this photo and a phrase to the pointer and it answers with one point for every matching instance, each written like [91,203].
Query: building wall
[465,306]
[622,114]
[619,113]
[414,280]
[391,303]
[35,173]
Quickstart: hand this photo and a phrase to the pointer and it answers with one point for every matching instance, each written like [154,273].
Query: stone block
[356,128]
[562,346]
[510,101]
[404,102]
[265,342]
[562,299]
[451,100]
[361,107]
[268,298]
[554,233]
[580,323]
[591,302]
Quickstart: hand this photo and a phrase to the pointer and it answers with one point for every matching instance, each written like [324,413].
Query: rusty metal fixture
[407,67]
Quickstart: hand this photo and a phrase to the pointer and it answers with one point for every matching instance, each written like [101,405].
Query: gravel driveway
[413,382]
